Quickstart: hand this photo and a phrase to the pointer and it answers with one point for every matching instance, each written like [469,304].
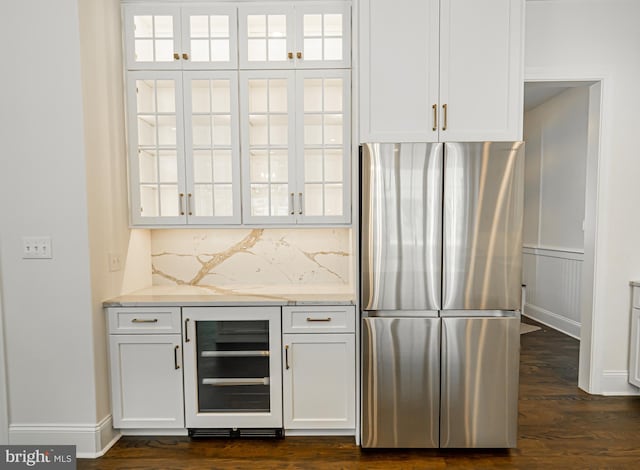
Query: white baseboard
[616,382]
[555,321]
[91,441]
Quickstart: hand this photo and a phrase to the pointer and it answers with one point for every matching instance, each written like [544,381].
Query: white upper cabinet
[441,70]
[295,35]
[164,37]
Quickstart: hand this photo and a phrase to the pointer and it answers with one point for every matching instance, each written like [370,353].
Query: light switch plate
[36,248]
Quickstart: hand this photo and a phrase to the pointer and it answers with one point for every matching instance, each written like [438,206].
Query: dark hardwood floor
[560,427]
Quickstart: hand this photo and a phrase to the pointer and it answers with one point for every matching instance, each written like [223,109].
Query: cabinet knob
[185,56]
[290,55]
[176,56]
[299,55]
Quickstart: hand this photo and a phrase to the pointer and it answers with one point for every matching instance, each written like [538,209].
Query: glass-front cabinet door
[323,146]
[267,100]
[266,36]
[211,147]
[209,37]
[232,367]
[156,158]
[323,35]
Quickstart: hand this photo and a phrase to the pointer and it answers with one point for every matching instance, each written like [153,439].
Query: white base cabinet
[146,369]
[319,375]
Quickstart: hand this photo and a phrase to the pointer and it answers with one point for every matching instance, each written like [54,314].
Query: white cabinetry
[634,340]
[146,368]
[319,383]
[441,70]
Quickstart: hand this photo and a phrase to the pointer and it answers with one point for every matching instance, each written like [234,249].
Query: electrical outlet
[36,248]
[115,262]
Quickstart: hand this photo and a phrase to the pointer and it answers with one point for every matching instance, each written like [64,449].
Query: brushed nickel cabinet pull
[186,331]
[444,108]
[286,357]
[181,203]
[176,56]
[300,201]
[435,117]
[142,320]
[189,210]
[185,56]
[318,319]
[175,356]
[292,205]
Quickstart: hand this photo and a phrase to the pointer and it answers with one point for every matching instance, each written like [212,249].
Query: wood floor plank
[560,427]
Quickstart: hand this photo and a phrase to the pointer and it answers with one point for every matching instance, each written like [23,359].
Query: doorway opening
[562,134]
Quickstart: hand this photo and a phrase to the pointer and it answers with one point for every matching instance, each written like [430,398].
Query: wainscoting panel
[553,278]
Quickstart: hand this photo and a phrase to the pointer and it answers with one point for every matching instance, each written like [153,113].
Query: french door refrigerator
[441,241]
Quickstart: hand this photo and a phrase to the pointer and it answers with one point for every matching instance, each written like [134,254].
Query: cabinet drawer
[317,319]
[138,320]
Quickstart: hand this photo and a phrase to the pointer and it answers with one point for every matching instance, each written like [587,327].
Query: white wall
[599,39]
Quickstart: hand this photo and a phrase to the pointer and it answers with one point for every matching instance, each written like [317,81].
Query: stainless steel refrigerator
[441,241]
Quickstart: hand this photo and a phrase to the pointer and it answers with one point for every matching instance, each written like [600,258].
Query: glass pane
[148,167]
[333,129]
[142,26]
[278,96]
[144,50]
[164,26]
[256,26]
[219,26]
[221,130]
[149,201]
[259,166]
[164,50]
[257,96]
[146,130]
[168,167]
[223,200]
[313,129]
[333,25]
[333,199]
[279,200]
[313,95]
[222,169]
[200,99]
[259,199]
[257,49]
[333,165]
[278,129]
[201,128]
[203,200]
[199,50]
[168,200]
[257,129]
[312,25]
[277,50]
[202,169]
[199,26]
[220,50]
[333,94]
[277,26]
[279,166]
[312,165]
[312,49]
[166,91]
[146,102]
[221,96]
[313,199]
[333,49]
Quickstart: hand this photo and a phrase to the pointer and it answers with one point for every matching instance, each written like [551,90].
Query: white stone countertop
[193,296]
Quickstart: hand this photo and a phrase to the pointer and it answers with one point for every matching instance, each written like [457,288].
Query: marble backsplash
[233,260]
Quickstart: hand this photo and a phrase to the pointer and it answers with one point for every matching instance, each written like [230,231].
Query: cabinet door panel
[212,147]
[323,35]
[319,381]
[210,37]
[398,70]
[152,37]
[156,149]
[481,70]
[146,381]
[266,36]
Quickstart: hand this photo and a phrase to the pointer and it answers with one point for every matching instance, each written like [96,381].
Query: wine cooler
[232,370]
